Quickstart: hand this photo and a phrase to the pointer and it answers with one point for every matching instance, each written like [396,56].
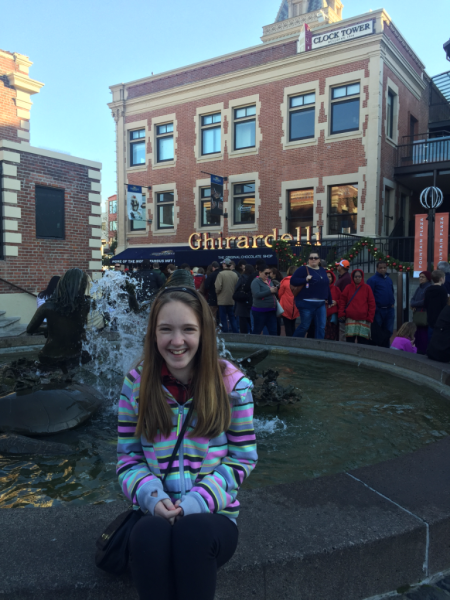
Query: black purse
[112,546]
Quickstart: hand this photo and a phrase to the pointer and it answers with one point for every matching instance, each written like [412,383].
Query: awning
[195,258]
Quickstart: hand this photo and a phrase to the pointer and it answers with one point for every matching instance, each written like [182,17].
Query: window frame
[164,203]
[114,203]
[62,200]
[338,215]
[243,194]
[165,135]
[204,199]
[289,216]
[111,228]
[301,108]
[133,142]
[206,127]
[345,100]
[239,120]
[390,109]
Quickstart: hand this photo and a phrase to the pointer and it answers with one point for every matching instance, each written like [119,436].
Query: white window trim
[346,179]
[238,103]
[228,206]
[298,90]
[202,111]
[157,189]
[297,184]
[336,81]
[171,118]
[143,124]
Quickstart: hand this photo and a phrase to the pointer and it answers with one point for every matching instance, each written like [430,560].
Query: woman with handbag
[286,298]
[186,444]
[357,308]
[419,312]
[265,303]
[243,299]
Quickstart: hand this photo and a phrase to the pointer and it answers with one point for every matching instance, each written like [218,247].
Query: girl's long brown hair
[211,400]
[407,330]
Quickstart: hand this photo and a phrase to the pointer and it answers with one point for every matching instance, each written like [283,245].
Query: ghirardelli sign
[312,41]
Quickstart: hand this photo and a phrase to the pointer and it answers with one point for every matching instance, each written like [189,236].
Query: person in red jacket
[357,308]
[286,299]
[332,325]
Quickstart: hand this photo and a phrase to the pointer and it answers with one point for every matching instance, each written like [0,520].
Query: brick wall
[111,217]
[40,259]
[273,164]
[215,69]
[9,121]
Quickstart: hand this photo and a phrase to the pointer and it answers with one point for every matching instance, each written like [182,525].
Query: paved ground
[440,590]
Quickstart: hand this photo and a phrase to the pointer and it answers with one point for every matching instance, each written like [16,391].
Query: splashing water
[267,426]
[119,346]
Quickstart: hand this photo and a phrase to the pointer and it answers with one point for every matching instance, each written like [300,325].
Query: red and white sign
[440,238]
[420,245]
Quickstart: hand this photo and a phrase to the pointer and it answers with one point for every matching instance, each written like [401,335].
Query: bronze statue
[66,313]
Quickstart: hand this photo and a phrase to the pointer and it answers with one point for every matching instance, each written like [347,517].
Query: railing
[422,149]
[18,287]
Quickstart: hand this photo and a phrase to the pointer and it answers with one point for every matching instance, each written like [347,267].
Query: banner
[135,203]
[420,245]
[216,196]
[440,238]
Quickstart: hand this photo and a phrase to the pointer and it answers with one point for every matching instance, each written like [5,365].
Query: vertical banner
[420,245]
[440,238]
[135,203]
[216,196]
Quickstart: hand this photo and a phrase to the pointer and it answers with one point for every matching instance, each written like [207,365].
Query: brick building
[49,202]
[305,128]
[111,207]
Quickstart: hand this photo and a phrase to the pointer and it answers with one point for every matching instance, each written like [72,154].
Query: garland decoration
[286,257]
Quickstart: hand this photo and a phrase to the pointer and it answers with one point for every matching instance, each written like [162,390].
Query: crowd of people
[316,302]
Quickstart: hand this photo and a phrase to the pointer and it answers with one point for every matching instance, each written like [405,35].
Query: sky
[79,48]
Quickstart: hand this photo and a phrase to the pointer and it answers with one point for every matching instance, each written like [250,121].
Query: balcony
[425,150]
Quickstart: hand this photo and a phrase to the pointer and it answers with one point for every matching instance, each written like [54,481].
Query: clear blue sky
[79,48]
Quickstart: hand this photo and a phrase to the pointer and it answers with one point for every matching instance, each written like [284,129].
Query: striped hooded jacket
[207,474]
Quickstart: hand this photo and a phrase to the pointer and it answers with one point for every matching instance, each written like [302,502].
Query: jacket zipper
[181,453]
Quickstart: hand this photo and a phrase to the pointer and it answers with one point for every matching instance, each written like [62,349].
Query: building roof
[313,5]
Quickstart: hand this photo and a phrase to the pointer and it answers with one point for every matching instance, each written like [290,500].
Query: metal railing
[18,287]
[421,149]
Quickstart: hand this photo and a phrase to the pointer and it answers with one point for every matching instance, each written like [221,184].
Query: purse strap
[179,440]
[348,303]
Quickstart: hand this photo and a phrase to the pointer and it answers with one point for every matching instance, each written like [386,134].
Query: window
[137,147]
[345,108]
[165,210]
[49,213]
[113,225]
[164,142]
[113,207]
[205,200]
[211,128]
[343,209]
[390,114]
[244,203]
[301,117]
[244,127]
[300,210]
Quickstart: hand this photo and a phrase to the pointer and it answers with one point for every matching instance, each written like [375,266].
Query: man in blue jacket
[383,291]
[313,298]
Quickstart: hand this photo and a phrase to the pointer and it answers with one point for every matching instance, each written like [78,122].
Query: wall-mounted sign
[216,196]
[440,238]
[420,245]
[311,41]
[202,241]
[135,203]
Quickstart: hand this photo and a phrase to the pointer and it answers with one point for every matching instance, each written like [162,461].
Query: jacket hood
[434,290]
[362,275]
[333,277]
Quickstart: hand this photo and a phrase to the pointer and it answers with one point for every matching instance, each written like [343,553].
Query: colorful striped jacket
[207,474]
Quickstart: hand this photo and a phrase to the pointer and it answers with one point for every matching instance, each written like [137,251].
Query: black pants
[180,562]
[361,340]
[245,325]
[289,326]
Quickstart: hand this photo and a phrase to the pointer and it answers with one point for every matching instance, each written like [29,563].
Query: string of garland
[285,255]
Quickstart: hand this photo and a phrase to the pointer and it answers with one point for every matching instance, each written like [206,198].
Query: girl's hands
[167,510]
[177,504]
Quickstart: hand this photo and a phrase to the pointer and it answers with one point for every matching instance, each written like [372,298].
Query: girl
[357,308]
[286,298]
[176,556]
[46,294]
[405,338]
[332,325]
